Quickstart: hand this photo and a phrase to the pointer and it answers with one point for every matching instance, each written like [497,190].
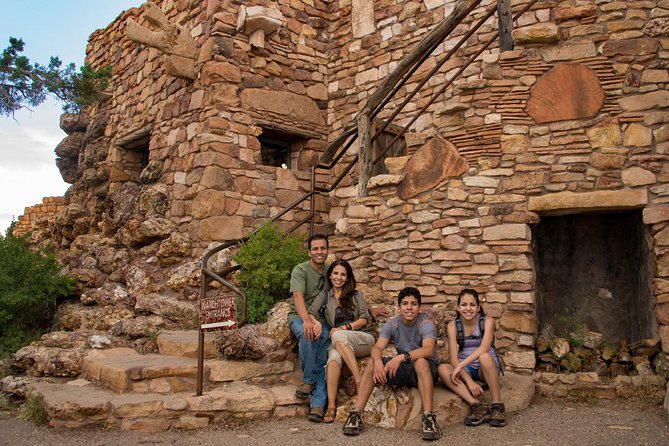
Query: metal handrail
[338,148]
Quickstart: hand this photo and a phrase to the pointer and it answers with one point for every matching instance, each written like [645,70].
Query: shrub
[267,260]
[33,409]
[30,285]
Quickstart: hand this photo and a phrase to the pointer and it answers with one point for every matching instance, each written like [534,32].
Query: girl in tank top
[476,361]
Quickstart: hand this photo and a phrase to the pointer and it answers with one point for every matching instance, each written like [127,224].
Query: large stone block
[645,101]
[240,398]
[638,176]
[80,404]
[294,107]
[213,72]
[569,52]
[537,33]
[630,47]
[242,370]
[432,163]
[221,228]
[518,321]
[507,232]
[568,91]
[606,134]
[655,214]
[521,360]
[606,161]
[637,135]
[132,406]
[571,202]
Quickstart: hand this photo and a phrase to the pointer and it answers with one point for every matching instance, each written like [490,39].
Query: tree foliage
[25,85]
[267,260]
[30,285]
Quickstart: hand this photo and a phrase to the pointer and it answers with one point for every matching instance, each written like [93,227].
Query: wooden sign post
[216,313]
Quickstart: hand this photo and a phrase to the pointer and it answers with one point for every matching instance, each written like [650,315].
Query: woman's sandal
[330,415]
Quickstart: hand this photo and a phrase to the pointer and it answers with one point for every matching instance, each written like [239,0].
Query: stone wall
[202,133]
[573,120]
[170,163]
[33,215]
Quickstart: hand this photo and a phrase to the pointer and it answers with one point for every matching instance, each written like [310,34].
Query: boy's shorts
[406,374]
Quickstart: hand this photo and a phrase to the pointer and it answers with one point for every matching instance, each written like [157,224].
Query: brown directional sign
[218,313]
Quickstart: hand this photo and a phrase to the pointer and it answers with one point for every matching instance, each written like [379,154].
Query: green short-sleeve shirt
[310,282]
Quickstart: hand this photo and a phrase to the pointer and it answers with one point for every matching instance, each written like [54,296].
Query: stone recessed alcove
[594,270]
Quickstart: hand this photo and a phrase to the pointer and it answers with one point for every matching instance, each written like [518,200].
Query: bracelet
[349,326]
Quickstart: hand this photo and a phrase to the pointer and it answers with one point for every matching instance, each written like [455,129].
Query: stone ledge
[571,202]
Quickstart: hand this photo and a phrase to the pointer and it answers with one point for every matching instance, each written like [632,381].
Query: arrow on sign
[224,324]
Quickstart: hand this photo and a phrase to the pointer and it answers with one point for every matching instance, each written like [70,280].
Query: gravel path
[544,423]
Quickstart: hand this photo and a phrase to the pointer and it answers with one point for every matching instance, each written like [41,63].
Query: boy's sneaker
[431,430]
[497,418]
[353,425]
[479,413]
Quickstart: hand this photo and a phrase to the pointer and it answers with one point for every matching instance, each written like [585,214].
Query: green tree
[25,85]
[267,260]
[30,285]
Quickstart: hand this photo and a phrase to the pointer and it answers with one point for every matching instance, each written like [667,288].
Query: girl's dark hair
[474,294]
[346,299]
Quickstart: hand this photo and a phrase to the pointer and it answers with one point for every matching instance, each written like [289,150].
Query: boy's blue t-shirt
[408,338]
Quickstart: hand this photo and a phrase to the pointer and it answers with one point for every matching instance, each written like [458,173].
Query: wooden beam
[422,50]
[364,152]
[505,25]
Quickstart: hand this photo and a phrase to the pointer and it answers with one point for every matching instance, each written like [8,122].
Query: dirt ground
[546,422]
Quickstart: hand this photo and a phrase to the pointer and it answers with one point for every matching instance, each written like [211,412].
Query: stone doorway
[594,271]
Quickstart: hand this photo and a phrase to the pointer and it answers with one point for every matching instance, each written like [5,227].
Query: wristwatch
[407,357]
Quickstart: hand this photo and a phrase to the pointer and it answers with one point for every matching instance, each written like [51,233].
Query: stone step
[79,403]
[185,344]
[123,370]
[402,407]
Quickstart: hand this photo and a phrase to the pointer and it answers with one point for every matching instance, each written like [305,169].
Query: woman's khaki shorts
[360,342]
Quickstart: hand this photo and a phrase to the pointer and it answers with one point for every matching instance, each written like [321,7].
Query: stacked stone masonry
[36,215]
[574,119]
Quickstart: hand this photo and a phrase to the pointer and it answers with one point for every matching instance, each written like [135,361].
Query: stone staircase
[121,388]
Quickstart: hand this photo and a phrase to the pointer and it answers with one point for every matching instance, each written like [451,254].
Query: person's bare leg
[332,380]
[425,383]
[460,388]
[366,387]
[490,374]
[350,360]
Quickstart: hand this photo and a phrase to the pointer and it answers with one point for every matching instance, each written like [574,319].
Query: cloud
[25,188]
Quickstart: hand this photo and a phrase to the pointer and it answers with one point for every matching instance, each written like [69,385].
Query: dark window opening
[137,156]
[275,149]
[399,148]
[135,153]
[594,271]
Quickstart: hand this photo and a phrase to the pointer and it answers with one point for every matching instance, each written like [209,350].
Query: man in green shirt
[306,281]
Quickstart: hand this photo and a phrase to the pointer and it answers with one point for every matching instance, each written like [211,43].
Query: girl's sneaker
[479,413]
[497,415]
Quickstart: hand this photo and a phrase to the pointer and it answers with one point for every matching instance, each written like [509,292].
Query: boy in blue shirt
[415,365]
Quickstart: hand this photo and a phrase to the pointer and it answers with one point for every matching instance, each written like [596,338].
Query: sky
[48,28]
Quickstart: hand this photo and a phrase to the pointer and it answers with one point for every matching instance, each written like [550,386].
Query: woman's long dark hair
[348,291]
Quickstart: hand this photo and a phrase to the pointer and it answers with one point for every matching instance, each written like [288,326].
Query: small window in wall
[276,148]
[135,153]
[399,148]
[139,156]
